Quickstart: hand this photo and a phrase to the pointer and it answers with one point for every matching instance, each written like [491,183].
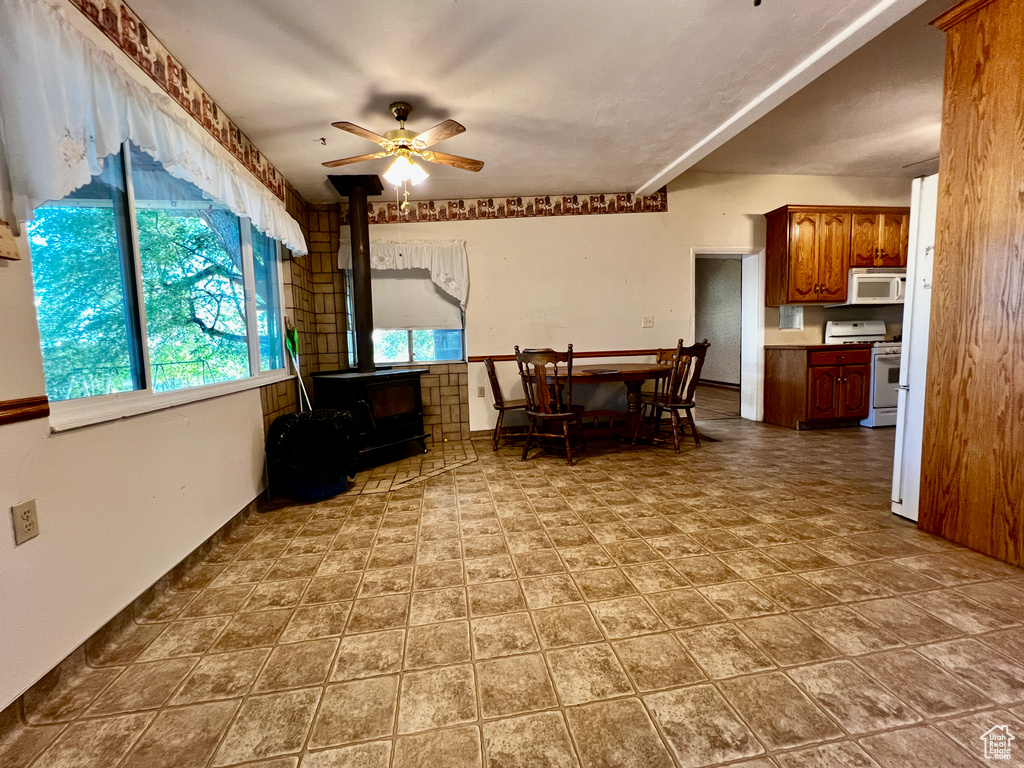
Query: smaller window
[420,346]
[268,300]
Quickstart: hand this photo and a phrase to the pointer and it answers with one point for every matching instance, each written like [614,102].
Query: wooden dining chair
[501,405]
[674,394]
[547,382]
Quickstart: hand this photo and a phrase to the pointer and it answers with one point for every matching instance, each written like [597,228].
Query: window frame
[412,351]
[84,411]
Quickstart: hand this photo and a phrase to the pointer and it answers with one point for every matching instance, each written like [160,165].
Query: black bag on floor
[310,455]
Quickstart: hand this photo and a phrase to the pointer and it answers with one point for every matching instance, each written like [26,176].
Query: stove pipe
[356,189]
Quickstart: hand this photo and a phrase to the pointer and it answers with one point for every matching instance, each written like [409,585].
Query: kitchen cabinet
[880,239]
[810,249]
[808,256]
[817,386]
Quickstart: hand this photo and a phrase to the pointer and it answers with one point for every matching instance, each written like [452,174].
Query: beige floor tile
[597,729]
[392,557]
[704,570]
[436,644]
[1009,642]
[438,575]
[780,715]
[343,562]
[786,640]
[96,743]
[566,625]
[894,577]
[846,631]
[854,700]
[586,558]
[904,621]
[252,630]
[752,564]
[356,711]
[604,584]
[452,748]
[390,581]
[681,608]
[961,612]
[495,597]
[999,678]
[183,737]
[65,692]
[967,730]
[275,594]
[377,613]
[503,635]
[438,605]
[142,686]
[657,661]
[369,655]
[630,552]
[843,551]
[914,747]
[654,577]
[267,726]
[843,754]
[793,592]
[587,673]
[546,591]
[221,676]
[945,570]
[376,754]
[514,684]
[700,727]
[316,621]
[929,689]
[185,638]
[335,588]
[626,617]
[532,741]
[723,651]
[490,569]
[740,600]
[221,601]
[20,743]
[297,665]
[542,563]
[436,698]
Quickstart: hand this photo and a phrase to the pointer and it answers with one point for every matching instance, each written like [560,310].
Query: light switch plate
[26,524]
[647,321]
[479,391]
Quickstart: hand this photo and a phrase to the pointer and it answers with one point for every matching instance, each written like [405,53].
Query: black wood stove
[387,404]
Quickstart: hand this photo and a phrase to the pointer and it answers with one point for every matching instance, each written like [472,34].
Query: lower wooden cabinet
[817,386]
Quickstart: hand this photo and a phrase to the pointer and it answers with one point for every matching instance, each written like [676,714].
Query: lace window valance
[446,260]
[66,104]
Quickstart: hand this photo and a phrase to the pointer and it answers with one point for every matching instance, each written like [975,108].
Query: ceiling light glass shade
[404,169]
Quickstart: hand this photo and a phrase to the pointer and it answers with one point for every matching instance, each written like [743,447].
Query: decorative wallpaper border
[471,209]
[126,30]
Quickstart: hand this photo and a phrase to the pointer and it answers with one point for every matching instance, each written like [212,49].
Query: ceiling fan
[404,145]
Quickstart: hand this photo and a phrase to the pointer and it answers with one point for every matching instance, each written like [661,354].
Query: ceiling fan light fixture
[404,169]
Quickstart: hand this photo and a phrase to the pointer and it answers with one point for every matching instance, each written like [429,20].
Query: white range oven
[885,366]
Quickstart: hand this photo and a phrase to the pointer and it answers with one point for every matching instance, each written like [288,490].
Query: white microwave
[876,286]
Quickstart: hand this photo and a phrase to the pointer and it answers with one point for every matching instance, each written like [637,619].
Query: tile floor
[751,602]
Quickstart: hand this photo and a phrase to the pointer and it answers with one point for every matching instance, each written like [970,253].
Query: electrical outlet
[479,391]
[647,321]
[26,524]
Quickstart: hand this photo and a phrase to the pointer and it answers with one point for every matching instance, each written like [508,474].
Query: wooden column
[356,188]
[972,486]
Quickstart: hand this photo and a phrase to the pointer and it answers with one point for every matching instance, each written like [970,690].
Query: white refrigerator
[906,475]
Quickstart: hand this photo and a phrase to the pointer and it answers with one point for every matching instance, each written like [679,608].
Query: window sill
[88,411]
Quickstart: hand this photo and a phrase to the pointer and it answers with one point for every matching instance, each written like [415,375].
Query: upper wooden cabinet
[811,249]
[880,239]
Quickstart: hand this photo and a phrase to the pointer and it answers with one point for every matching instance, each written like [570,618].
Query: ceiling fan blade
[361,132]
[465,163]
[440,132]
[356,159]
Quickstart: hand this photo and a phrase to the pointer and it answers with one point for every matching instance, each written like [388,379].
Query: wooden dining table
[633,375]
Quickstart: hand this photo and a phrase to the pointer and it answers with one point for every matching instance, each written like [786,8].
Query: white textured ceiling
[569,96]
[876,113]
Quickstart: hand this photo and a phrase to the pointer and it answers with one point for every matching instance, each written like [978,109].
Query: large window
[144,283]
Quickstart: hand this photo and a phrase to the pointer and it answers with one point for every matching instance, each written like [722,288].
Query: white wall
[589,279]
[119,504]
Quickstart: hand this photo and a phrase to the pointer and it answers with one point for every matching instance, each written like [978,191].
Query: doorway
[728,291]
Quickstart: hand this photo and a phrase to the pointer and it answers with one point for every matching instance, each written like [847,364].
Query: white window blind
[409,299]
